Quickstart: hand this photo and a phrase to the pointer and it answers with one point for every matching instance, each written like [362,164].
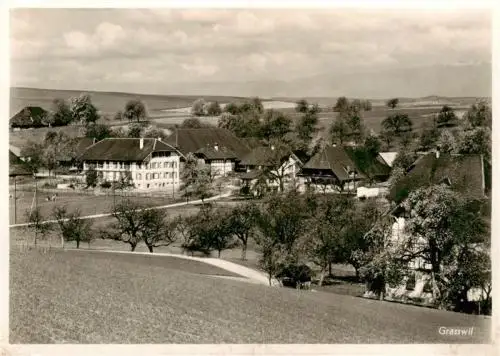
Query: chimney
[272,147]
[159,139]
[93,141]
[437,153]
[216,147]
[141,143]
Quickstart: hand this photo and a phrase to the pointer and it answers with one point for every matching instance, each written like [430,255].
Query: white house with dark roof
[150,163]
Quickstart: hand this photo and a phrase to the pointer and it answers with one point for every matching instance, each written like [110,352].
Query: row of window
[122,165]
[151,176]
[159,185]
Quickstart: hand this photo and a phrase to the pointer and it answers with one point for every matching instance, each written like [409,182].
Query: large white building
[149,163]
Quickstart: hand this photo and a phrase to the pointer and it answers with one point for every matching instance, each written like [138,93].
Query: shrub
[106,184]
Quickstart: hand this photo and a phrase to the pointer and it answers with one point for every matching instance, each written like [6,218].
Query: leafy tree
[447,142]
[404,159]
[397,124]
[91,178]
[342,104]
[307,127]
[213,229]
[302,106]
[326,232]
[197,179]
[33,152]
[135,130]
[444,231]
[98,131]
[242,224]
[428,138]
[83,110]
[275,125]
[72,227]
[392,103]
[155,133]
[256,105]
[372,144]
[227,121]
[357,104]
[367,105]
[277,163]
[247,124]
[155,231]
[475,141]
[36,223]
[339,131]
[479,115]
[232,108]
[135,110]
[60,114]
[446,117]
[192,123]
[214,109]
[198,108]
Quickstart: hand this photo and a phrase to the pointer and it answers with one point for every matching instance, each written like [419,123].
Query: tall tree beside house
[302,106]
[307,126]
[248,124]
[135,130]
[197,179]
[392,103]
[72,227]
[33,151]
[445,230]
[198,107]
[135,110]
[83,110]
[348,125]
[98,131]
[192,123]
[372,144]
[155,133]
[232,108]
[257,105]
[428,138]
[475,141]
[91,177]
[60,113]
[339,131]
[447,142]
[277,163]
[397,124]
[242,222]
[228,121]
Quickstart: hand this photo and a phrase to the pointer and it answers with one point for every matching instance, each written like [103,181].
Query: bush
[292,274]
[106,184]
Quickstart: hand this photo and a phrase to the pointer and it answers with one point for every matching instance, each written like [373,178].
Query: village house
[29,118]
[218,148]
[466,174]
[149,163]
[268,164]
[340,169]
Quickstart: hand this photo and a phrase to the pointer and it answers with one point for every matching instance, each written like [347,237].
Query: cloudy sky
[246,52]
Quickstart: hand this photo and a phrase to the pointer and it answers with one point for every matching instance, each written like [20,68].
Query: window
[165,164]
[126,165]
[138,176]
[410,282]
[163,184]
[147,186]
[174,164]
[154,165]
[156,176]
[165,175]
[147,178]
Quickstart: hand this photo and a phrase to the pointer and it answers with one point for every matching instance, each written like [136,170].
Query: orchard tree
[476,141]
[155,133]
[60,114]
[72,227]
[135,110]
[256,104]
[339,131]
[83,110]
[447,142]
[307,127]
[91,177]
[428,138]
[397,124]
[156,232]
[98,131]
[198,107]
[479,115]
[135,130]
[118,115]
[214,109]
[242,223]
[192,123]
[36,223]
[232,108]
[302,106]
[342,104]
[227,121]
[392,103]
[446,117]
[33,151]
[197,179]
[275,125]
[372,144]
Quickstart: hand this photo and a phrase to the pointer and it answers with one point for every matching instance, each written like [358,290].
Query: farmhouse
[462,173]
[271,165]
[216,147]
[28,118]
[338,168]
[17,167]
[148,163]
[70,160]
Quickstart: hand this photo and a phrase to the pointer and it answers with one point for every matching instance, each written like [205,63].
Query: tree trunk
[219,251]
[356,269]
[321,276]
[244,252]
[77,243]
[132,247]
[329,268]
[150,248]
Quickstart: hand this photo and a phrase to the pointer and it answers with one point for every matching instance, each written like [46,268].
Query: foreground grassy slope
[80,297]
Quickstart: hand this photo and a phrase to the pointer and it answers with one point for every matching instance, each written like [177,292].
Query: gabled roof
[262,155]
[191,140]
[372,166]
[30,116]
[334,159]
[463,173]
[388,157]
[124,149]
[210,153]
[16,166]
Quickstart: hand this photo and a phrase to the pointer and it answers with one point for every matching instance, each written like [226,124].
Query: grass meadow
[86,297]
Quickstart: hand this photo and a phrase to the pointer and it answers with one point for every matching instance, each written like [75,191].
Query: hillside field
[85,297]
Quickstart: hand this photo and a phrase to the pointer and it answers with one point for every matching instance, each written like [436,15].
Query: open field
[107,102]
[77,297]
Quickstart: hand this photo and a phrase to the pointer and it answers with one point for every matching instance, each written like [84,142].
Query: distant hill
[107,102]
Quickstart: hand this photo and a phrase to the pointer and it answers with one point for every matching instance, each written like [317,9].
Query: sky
[294,52]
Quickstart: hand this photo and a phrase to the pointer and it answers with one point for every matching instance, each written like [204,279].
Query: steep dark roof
[334,159]
[191,140]
[259,156]
[210,152]
[30,116]
[17,166]
[124,149]
[464,173]
[372,166]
